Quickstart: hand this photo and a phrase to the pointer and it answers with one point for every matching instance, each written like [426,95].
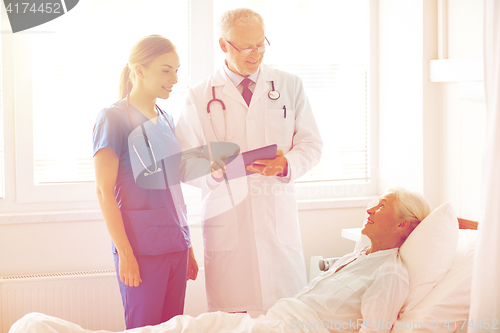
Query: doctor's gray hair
[239,16]
[143,53]
[410,206]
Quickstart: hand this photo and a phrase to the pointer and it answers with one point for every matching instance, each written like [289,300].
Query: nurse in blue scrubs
[136,158]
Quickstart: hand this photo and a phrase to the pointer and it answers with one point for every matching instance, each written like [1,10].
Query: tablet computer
[236,163]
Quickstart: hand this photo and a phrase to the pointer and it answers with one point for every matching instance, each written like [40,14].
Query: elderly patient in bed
[363,291]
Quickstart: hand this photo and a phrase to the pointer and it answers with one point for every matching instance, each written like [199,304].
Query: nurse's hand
[129,270]
[192,266]
[270,167]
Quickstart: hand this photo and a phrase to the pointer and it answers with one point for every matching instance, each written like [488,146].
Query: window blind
[339,99]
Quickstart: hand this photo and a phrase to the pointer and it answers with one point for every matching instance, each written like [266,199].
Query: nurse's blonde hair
[143,52]
[239,16]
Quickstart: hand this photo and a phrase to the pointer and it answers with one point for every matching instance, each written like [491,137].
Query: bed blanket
[288,315]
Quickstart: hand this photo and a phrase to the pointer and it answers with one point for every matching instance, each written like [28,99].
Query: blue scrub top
[153,223]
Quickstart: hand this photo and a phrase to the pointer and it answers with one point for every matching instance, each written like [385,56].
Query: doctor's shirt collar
[236,78]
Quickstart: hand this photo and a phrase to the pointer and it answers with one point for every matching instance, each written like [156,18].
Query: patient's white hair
[239,16]
[410,206]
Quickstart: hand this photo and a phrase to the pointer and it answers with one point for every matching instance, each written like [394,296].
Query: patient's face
[382,221]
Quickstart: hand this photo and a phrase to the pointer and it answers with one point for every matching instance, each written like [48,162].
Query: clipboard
[236,163]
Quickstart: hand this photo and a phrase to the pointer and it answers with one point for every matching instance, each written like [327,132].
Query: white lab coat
[253,252]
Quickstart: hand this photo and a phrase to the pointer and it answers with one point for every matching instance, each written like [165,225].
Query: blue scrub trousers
[160,295]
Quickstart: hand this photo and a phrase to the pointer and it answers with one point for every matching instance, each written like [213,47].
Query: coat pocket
[151,233]
[280,129]
[220,226]
[287,217]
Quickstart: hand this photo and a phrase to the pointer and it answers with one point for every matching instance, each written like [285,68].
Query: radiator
[90,299]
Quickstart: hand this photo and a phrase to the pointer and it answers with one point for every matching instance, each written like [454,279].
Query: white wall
[400,95]
[409,107]
[465,28]
[464,120]
[48,247]
[431,140]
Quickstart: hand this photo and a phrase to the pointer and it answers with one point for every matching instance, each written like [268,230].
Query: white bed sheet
[288,315]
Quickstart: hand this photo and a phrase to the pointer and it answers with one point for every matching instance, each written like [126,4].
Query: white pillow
[429,252]
[449,300]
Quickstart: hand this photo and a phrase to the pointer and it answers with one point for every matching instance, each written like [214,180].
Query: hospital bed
[439,259]
[441,297]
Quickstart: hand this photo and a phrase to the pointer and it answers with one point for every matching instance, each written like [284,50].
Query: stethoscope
[272,94]
[146,140]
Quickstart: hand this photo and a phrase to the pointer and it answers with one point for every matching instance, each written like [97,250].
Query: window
[68,69]
[76,73]
[327,44]
[75,63]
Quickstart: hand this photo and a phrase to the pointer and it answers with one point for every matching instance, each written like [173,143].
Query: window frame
[202,44]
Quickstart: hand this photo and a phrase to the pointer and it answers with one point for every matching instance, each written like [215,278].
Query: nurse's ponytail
[125,83]
[142,53]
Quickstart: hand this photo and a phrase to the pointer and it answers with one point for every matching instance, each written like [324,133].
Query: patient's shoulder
[393,265]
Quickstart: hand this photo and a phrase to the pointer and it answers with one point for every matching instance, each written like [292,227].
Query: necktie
[246,93]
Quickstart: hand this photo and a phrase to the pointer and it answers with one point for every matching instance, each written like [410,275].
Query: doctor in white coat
[252,244]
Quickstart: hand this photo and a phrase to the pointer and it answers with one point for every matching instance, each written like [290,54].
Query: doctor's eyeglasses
[250,50]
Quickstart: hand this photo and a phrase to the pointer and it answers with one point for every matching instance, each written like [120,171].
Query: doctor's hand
[128,269]
[218,165]
[270,167]
[192,266]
